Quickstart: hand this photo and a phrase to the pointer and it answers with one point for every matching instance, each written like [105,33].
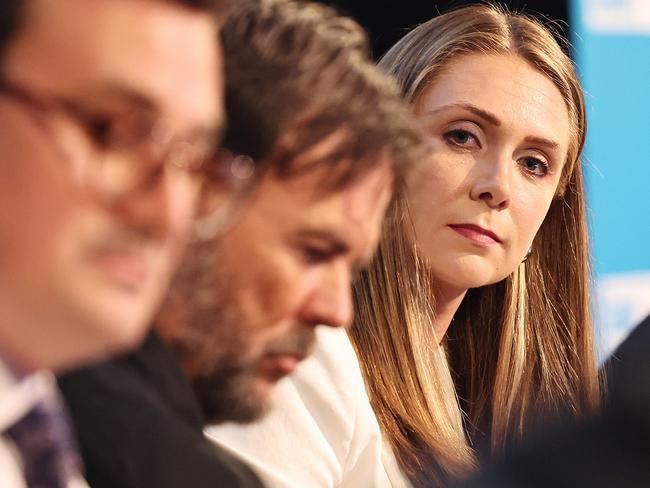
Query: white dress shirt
[17,397]
[321,432]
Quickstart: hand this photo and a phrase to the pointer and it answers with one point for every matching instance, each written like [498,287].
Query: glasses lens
[231,178]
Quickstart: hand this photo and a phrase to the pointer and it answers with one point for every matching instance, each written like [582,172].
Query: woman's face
[500,134]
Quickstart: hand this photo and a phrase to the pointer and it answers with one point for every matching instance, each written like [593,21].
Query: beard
[229,391]
[215,342]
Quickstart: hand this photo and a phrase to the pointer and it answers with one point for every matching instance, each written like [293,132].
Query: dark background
[387,21]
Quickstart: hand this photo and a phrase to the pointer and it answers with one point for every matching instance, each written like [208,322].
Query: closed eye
[315,255]
[318,246]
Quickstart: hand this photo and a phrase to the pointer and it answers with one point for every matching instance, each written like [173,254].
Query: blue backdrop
[612,42]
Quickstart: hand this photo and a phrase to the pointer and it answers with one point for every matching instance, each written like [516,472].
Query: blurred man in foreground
[331,138]
[108,110]
[610,450]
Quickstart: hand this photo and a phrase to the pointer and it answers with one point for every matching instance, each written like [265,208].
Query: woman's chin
[465,272]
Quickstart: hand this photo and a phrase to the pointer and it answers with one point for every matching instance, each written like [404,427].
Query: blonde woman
[473,325]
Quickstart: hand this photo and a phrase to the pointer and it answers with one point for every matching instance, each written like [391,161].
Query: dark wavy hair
[298,74]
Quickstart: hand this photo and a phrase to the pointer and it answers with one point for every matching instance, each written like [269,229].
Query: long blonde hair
[520,352]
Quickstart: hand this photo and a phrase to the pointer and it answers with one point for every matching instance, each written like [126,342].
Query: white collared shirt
[17,397]
[322,431]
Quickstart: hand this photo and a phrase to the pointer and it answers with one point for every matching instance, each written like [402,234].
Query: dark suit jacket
[611,451]
[139,425]
[624,361]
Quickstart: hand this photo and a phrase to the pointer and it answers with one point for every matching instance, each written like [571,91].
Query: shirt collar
[18,393]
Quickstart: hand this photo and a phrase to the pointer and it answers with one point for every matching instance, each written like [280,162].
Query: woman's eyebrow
[484,114]
[492,119]
[543,141]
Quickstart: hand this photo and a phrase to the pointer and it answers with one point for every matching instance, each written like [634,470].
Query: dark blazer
[611,451]
[139,425]
[637,345]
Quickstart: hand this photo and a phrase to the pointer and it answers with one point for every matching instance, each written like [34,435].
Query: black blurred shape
[610,451]
[387,21]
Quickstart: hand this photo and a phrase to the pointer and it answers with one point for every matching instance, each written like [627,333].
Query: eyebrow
[544,142]
[484,114]
[337,243]
[494,120]
[134,98]
[127,95]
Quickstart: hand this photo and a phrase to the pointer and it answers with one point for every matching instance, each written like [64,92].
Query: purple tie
[46,445]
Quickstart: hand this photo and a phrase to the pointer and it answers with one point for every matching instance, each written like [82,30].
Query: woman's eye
[535,166]
[461,138]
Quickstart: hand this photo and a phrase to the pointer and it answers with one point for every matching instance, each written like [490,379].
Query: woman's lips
[476,234]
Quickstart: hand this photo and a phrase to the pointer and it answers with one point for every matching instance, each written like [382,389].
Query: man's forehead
[154,48]
[356,195]
[353,212]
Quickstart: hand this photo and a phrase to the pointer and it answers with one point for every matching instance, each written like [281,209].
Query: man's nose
[330,303]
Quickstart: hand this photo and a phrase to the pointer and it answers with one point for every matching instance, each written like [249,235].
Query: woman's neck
[447,301]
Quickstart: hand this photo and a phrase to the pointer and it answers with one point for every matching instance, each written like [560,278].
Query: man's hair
[11,15]
[297,75]
[10,18]
[217,6]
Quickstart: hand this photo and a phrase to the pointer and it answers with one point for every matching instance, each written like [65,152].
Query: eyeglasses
[146,139]
[239,175]
[139,132]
